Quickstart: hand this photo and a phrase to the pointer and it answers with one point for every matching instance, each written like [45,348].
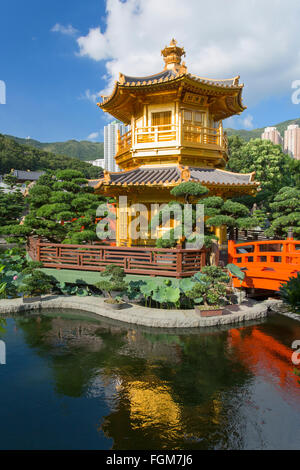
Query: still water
[73,381]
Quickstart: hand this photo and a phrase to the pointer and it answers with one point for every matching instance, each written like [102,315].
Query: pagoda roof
[225,93]
[170,175]
[168,75]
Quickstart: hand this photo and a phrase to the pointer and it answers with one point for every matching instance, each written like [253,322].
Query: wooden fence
[176,262]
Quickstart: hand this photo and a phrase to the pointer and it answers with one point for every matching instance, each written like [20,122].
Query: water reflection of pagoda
[176,135]
[165,390]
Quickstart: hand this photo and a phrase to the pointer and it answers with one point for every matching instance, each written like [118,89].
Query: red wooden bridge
[267,264]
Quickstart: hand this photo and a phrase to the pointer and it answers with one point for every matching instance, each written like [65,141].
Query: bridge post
[231,250]
[290,233]
[256,253]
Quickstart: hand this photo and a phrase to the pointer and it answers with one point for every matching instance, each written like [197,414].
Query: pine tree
[285,213]
[62,209]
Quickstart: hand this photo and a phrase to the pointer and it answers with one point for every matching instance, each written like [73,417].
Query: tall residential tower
[292,141]
[110,143]
[272,134]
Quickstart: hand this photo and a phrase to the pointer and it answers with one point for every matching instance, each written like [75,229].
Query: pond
[78,381]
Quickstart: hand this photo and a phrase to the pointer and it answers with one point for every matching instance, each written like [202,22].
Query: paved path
[138,315]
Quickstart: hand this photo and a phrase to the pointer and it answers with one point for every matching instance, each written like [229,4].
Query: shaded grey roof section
[226,82]
[27,175]
[157,175]
[216,176]
[93,183]
[146,175]
[169,74]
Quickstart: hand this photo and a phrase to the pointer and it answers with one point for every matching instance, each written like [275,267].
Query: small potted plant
[209,292]
[113,284]
[110,286]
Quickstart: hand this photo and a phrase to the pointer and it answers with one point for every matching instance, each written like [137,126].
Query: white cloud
[258,40]
[248,122]
[94,45]
[68,30]
[90,96]
[93,136]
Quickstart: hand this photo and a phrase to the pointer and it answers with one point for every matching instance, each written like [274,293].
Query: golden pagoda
[176,135]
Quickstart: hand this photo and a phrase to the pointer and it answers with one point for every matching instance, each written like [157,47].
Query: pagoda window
[188,115]
[161,119]
[196,118]
[199,118]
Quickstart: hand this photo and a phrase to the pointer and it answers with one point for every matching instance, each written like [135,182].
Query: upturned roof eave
[188,79]
[107,181]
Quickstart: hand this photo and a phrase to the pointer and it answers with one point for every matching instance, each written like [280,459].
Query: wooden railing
[124,141]
[267,264]
[175,262]
[204,135]
[169,132]
[163,133]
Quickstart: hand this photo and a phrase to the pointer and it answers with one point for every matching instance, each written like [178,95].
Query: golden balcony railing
[190,133]
[163,133]
[124,141]
[204,135]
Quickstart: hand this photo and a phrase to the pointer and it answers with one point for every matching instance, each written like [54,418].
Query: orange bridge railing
[267,264]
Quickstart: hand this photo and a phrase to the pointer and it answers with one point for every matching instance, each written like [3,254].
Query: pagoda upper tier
[175,116]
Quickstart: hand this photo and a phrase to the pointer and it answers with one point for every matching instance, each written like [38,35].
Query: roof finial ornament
[172,56]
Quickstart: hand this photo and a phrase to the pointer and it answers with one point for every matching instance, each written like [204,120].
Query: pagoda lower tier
[151,184]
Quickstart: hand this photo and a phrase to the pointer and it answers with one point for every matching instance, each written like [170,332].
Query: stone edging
[279,307]
[138,315]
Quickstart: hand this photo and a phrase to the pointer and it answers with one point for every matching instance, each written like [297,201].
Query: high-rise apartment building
[292,141]
[272,134]
[110,143]
[98,162]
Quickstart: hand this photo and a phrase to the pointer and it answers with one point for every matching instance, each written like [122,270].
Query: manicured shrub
[290,293]
[35,284]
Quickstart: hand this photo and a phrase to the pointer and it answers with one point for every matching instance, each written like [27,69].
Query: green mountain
[84,150]
[17,156]
[256,133]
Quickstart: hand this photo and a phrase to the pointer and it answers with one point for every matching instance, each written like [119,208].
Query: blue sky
[57,56]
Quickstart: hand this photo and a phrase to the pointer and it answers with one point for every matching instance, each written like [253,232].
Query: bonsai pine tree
[112,279]
[35,284]
[285,213]
[62,209]
[189,191]
[210,288]
[232,214]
